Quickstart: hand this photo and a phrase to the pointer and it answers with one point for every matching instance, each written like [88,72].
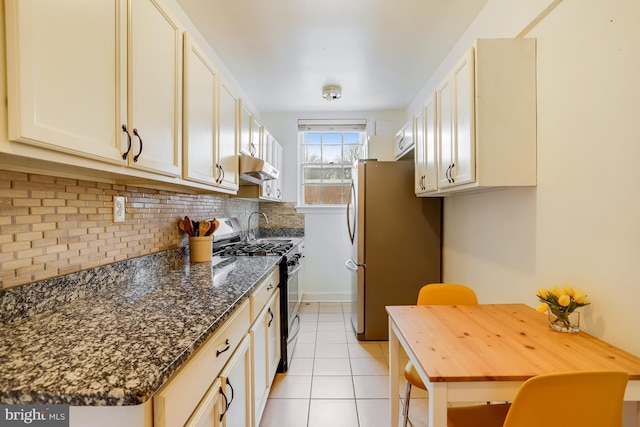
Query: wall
[52,226]
[327,245]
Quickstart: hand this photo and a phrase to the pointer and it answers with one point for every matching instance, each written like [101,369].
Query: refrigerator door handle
[353,266]
[350,207]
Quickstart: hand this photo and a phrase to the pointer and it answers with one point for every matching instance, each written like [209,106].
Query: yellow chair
[435,294]
[585,399]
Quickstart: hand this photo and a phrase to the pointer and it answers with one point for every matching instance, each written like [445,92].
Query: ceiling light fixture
[331,92]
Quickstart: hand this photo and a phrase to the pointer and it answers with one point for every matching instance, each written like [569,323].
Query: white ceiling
[282,52]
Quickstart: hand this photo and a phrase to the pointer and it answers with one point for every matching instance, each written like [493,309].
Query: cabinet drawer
[175,402]
[263,292]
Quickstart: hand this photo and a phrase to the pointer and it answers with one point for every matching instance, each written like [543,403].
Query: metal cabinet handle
[223,173]
[228,346]
[135,132]
[453,165]
[232,393]
[252,149]
[126,153]
[226,404]
[279,193]
[272,316]
[270,286]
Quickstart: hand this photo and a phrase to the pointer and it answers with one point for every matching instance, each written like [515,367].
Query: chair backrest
[446,294]
[585,399]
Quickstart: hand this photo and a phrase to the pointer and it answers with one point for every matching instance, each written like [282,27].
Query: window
[327,155]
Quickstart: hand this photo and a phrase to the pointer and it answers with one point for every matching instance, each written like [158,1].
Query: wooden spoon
[204,228]
[181,226]
[188,228]
[214,226]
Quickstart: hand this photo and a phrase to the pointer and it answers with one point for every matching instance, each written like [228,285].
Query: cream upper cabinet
[272,189]
[228,138]
[403,141]
[200,110]
[155,88]
[66,82]
[245,131]
[101,80]
[486,118]
[444,131]
[266,146]
[425,149]
[457,161]
[256,135]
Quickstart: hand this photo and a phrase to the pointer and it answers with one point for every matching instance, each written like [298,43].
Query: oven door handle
[293,335]
[294,271]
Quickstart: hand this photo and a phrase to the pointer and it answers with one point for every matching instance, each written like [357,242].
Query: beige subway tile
[45,258]
[34,235]
[29,253]
[15,264]
[13,193]
[55,249]
[67,210]
[54,234]
[12,211]
[42,178]
[53,202]
[27,202]
[43,226]
[43,243]
[15,246]
[42,210]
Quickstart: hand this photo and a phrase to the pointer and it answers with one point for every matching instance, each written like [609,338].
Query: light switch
[118,208]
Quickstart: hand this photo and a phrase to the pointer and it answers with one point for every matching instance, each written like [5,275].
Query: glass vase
[564,322]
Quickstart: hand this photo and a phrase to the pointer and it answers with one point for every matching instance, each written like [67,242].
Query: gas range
[254,249]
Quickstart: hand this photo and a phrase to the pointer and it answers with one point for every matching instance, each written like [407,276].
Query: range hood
[254,170]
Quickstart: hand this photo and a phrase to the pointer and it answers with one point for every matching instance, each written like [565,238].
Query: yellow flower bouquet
[561,302]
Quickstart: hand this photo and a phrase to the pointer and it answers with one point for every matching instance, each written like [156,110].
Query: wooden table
[485,352]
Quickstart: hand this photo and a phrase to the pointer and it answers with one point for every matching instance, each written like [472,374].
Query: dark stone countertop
[118,344]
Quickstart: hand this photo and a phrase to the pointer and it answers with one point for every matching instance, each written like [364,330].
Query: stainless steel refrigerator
[396,243]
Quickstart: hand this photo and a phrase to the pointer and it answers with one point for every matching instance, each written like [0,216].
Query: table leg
[438,404]
[394,368]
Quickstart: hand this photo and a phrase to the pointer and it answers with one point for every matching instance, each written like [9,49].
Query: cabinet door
[266,146]
[245,131]
[64,80]
[419,159]
[259,348]
[430,181]
[208,412]
[200,84]
[444,133]
[273,332]
[256,134]
[236,386]
[278,160]
[463,170]
[228,138]
[155,88]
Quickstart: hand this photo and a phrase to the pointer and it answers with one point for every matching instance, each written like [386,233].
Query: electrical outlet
[118,208]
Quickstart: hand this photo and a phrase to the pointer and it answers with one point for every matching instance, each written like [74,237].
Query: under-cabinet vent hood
[254,170]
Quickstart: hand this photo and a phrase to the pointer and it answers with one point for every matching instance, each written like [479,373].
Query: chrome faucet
[250,235]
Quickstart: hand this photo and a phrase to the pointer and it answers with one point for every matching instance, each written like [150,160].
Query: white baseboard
[326,297]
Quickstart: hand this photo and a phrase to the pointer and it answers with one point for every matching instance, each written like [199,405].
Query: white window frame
[334,126]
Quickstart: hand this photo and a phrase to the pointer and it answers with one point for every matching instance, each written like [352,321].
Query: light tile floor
[335,380]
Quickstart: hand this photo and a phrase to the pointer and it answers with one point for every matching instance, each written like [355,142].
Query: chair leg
[407,398]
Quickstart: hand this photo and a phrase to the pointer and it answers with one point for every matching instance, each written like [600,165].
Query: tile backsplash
[52,226]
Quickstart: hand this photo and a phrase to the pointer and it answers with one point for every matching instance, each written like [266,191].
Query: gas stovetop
[254,249]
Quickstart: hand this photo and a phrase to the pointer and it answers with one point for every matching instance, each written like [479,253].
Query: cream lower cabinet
[265,346]
[100,80]
[236,386]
